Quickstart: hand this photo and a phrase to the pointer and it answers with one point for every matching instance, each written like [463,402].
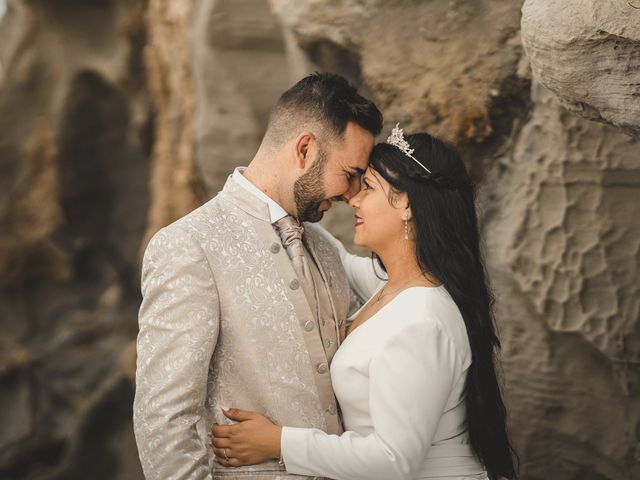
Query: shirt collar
[276,212]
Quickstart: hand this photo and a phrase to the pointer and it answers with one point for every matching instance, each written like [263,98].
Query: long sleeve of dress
[363,275]
[411,379]
[179,319]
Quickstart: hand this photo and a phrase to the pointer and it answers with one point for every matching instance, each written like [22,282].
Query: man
[243,305]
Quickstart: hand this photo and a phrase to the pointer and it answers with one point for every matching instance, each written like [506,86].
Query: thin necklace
[380,295]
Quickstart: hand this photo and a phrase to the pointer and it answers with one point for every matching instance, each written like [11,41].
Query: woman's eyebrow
[376,177]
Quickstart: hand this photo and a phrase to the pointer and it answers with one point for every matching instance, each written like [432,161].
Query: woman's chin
[357,240]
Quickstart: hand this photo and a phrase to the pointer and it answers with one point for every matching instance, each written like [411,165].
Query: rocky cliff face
[588,53]
[76,138]
[561,242]
[118,117]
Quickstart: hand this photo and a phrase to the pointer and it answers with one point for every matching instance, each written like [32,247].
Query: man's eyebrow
[358,170]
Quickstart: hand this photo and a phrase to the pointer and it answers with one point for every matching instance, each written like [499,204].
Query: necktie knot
[290,232]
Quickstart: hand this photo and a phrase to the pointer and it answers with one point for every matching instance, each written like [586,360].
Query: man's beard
[308,191]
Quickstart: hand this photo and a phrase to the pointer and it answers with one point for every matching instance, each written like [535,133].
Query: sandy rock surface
[74,155]
[588,53]
[118,117]
[560,236]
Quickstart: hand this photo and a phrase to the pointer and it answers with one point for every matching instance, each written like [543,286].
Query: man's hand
[255,439]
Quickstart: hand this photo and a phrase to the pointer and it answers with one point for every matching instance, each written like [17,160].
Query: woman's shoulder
[420,304]
[429,309]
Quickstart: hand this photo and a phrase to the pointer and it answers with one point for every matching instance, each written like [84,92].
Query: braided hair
[448,248]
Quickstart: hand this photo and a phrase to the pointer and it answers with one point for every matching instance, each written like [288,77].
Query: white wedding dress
[399,379]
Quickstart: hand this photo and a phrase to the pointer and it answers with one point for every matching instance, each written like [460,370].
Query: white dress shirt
[275,210]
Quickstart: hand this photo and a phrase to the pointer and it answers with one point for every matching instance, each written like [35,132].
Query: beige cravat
[314,287]
[290,232]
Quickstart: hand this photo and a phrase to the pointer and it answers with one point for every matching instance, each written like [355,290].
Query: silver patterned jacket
[223,323]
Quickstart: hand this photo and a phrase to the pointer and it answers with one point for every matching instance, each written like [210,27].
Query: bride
[415,376]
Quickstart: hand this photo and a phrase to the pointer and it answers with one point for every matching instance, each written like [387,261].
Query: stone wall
[120,116]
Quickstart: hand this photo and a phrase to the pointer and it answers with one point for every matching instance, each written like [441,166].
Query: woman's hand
[255,439]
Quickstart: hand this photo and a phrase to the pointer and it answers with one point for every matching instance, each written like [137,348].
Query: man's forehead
[356,136]
[355,147]
[355,163]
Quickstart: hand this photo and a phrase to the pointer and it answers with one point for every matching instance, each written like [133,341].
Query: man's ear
[302,146]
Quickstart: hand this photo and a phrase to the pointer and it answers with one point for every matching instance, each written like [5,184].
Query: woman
[415,377]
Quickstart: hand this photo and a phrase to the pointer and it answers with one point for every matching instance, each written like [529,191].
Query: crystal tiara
[397,140]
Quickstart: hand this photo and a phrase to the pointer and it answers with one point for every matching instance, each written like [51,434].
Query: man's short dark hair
[324,100]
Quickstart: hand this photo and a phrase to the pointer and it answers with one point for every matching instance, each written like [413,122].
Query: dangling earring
[406,226]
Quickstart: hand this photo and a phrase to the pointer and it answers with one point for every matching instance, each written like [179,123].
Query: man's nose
[354,189]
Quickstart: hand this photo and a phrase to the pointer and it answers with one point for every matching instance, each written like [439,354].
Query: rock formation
[175,186]
[76,137]
[561,243]
[240,67]
[118,117]
[451,68]
[588,53]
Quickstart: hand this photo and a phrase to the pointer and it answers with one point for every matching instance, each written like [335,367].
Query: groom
[243,305]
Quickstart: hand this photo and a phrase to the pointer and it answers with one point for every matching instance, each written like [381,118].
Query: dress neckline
[439,287]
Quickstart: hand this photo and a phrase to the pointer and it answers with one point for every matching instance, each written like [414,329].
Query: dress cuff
[293,449]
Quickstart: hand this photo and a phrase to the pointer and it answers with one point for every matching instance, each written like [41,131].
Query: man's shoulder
[192,225]
[205,216]
[205,213]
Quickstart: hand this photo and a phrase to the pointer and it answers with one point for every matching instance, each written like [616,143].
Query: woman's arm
[410,381]
[364,277]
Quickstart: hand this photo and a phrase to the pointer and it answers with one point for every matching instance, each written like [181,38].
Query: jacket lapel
[338,316]
[270,244]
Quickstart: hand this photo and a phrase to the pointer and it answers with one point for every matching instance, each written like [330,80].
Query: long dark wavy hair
[448,248]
